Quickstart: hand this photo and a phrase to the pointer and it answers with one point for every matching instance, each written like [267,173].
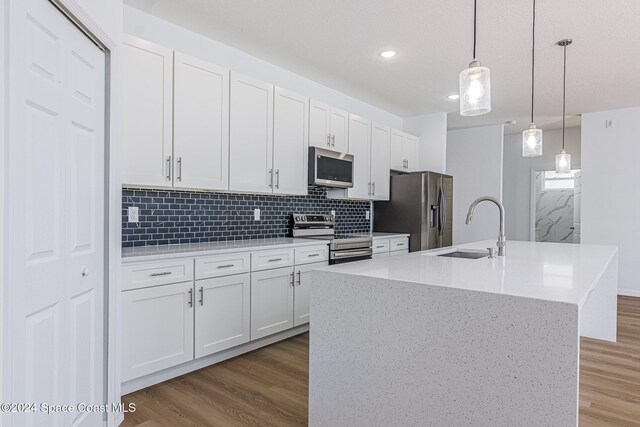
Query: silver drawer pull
[225,266]
[379,246]
[164,273]
[312,255]
[275,259]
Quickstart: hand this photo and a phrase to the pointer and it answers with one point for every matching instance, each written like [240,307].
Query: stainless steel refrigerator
[421,204]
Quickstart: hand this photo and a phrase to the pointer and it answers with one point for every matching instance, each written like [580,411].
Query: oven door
[330,168]
[349,255]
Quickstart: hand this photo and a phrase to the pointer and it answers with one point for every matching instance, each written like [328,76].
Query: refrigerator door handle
[443,211]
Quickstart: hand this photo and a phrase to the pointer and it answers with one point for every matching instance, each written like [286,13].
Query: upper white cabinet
[404,151]
[200,124]
[147,103]
[328,127]
[359,146]
[251,135]
[379,170]
[290,142]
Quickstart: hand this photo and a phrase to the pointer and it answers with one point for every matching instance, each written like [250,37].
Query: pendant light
[475,82]
[563,160]
[532,137]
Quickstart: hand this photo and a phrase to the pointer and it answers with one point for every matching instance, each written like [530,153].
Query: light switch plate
[256,214]
[133,213]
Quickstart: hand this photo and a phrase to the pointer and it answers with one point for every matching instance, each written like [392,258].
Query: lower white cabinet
[222,313]
[302,293]
[157,328]
[271,301]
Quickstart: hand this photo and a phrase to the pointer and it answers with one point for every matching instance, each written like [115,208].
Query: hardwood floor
[268,387]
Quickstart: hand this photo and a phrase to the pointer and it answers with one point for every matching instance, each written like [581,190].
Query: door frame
[113,195]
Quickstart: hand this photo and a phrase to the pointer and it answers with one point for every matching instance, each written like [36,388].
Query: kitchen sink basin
[465,254]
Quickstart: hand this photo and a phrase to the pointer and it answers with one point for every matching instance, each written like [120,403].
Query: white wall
[610,196]
[517,175]
[143,25]
[432,130]
[474,158]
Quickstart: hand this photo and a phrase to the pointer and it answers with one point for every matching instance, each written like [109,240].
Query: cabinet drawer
[144,275]
[222,265]
[399,244]
[380,246]
[266,260]
[309,254]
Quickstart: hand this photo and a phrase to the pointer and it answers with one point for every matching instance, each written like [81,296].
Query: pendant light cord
[564,91]
[533,57]
[475,7]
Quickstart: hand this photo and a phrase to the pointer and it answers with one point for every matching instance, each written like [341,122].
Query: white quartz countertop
[548,271]
[160,252]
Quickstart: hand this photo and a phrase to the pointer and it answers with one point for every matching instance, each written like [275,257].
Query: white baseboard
[193,365]
[629,293]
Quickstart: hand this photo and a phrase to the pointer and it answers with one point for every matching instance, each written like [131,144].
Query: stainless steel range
[343,248]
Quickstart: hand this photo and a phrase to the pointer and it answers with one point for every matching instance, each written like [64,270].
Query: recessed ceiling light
[388,53]
[453,96]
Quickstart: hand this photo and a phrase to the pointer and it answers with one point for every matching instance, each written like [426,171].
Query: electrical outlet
[132,211]
[609,123]
[256,214]
[333,214]
[367,215]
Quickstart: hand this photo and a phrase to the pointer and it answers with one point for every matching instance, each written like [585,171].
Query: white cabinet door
[147,113]
[359,144]
[319,125]
[302,293]
[222,313]
[411,152]
[339,130]
[290,142]
[158,328]
[251,135]
[397,150]
[200,124]
[271,301]
[380,137]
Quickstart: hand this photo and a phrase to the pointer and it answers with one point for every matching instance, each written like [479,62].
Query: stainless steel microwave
[330,168]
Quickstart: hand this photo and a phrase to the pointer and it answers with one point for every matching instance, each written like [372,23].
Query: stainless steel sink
[465,254]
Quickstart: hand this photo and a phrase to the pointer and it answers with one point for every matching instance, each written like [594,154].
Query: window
[551,180]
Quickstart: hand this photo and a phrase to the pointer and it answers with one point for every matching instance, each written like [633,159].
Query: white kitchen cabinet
[290,142]
[302,293]
[328,127]
[147,83]
[200,124]
[250,135]
[404,151]
[379,169]
[222,313]
[359,146]
[158,328]
[271,301]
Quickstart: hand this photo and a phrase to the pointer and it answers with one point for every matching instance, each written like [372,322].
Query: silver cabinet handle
[333,140]
[373,192]
[85,272]
[270,178]
[277,178]
[312,255]
[291,275]
[190,297]
[201,295]
[299,274]
[164,273]
[275,259]
[168,166]
[369,188]
[225,266]
[379,246]
[180,169]
[328,140]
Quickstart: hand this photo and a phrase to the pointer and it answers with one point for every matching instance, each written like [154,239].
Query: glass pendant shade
[563,162]
[475,90]
[532,142]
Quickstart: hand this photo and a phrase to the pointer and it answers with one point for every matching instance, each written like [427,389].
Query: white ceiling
[336,43]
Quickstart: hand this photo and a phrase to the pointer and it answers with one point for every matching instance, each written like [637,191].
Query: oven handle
[351,253]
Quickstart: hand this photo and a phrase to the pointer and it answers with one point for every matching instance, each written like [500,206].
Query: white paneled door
[56,157]
[380,139]
[200,124]
[359,145]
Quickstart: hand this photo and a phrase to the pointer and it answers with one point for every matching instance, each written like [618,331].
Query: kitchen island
[422,339]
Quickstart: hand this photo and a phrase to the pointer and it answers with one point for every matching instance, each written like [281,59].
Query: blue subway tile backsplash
[177,216]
